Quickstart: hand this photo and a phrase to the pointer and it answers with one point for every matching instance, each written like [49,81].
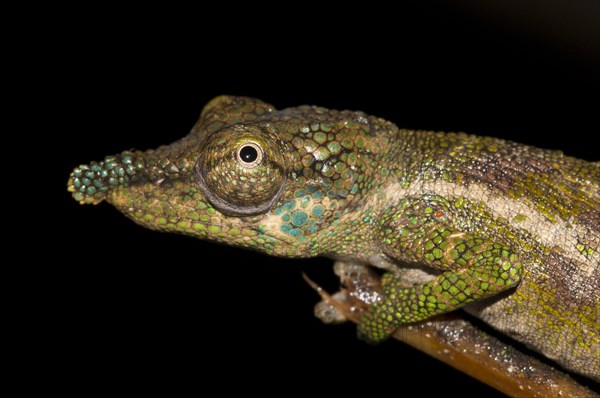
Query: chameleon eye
[241,170]
[250,155]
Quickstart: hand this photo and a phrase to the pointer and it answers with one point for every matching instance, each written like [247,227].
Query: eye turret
[241,170]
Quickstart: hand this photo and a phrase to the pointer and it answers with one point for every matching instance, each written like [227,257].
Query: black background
[170,312]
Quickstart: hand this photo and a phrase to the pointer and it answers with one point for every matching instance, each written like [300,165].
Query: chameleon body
[507,231]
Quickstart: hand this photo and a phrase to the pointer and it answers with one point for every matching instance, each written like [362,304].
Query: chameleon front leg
[472,267]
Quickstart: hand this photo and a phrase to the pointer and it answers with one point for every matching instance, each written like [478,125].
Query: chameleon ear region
[241,170]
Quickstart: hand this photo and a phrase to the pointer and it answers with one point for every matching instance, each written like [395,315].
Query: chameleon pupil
[248,154]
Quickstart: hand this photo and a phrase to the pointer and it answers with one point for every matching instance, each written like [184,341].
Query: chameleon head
[247,175]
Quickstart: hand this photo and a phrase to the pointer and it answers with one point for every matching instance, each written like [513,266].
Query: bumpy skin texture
[509,231]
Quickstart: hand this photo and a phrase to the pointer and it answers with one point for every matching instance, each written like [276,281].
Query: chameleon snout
[91,183]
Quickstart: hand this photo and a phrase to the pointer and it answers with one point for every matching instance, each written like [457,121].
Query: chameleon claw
[332,309]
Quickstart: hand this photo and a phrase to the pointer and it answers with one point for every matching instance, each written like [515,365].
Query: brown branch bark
[458,343]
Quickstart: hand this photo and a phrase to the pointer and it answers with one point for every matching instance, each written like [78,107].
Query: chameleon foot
[360,290]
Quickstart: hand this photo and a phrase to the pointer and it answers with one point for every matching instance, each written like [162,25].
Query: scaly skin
[513,230]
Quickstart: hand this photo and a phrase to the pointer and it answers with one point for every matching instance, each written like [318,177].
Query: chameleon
[508,232]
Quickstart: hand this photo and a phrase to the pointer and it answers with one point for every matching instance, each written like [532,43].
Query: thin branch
[458,343]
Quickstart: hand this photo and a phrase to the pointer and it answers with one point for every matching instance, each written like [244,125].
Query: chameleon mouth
[92,183]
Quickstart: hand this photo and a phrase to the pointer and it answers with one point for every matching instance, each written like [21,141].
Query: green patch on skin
[585,249]
[520,218]
[290,205]
[299,218]
[295,232]
[317,210]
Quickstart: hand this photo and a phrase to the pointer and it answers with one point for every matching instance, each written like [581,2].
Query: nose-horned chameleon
[509,232]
